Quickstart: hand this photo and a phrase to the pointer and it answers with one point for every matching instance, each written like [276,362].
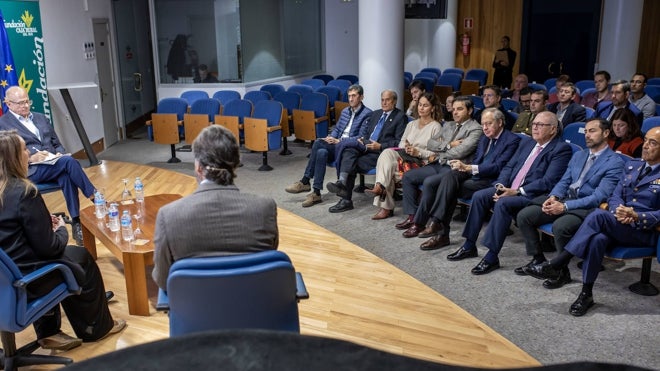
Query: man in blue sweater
[348,126]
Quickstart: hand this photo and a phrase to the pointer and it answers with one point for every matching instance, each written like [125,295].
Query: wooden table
[135,258]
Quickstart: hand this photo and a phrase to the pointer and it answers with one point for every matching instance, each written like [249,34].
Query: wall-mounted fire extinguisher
[465,44]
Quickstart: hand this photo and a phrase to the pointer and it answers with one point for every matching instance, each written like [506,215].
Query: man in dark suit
[492,97]
[588,181]
[41,140]
[458,178]
[533,170]
[620,99]
[566,109]
[216,219]
[361,155]
[631,219]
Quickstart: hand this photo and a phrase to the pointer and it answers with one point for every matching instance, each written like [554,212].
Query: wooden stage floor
[354,295]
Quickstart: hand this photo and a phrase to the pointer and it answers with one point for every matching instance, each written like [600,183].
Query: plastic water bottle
[138,187]
[99,205]
[113,217]
[126,226]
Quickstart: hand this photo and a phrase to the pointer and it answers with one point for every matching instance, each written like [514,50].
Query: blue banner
[8,75]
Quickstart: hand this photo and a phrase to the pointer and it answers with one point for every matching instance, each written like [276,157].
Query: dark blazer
[546,170]
[501,153]
[604,108]
[392,131]
[599,182]
[574,113]
[48,142]
[642,196]
[213,220]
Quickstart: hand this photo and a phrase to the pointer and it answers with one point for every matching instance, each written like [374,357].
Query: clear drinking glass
[126,193]
[138,218]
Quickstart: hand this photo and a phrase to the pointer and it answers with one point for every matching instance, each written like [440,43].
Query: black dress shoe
[413,231]
[542,271]
[341,206]
[433,229]
[581,262]
[462,253]
[109,295]
[582,304]
[435,243]
[337,188]
[405,224]
[76,230]
[520,270]
[485,267]
[564,278]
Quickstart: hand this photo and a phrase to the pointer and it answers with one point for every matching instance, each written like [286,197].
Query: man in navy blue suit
[631,219]
[533,170]
[588,181]
[620,99]
[457,179]
[324,150]
[41,140]
[565,108]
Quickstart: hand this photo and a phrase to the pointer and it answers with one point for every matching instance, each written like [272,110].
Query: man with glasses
[639,98]
[631,219]
[534,169]
[588,181]
[42,142]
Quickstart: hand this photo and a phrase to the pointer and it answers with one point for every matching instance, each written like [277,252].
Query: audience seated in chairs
[601,92]
[212,220]
[33,238]
[588,181]
[348,128]
[639,98]
[565,108]
[412,152]
[520,82]
[553,94]
[620,95]
[492,96]
[626,136]
[42,142]
[460,177]
[384,130]
[537,104]
[630,220]
[417,89]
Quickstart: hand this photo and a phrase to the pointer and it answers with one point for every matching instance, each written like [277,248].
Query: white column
[442,44]
[619,37]
[381,49]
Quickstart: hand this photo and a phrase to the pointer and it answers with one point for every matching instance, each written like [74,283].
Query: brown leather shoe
[59,341]
[117,326]
[433,229]
[413,231]
[377,190]
[435,243]
[405,224]
[383,214]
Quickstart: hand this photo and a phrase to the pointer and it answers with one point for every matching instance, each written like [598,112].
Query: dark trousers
[88,312]
[322,153]
[504,210]
[68,173]
[599,231]
[563,226]
[354,161]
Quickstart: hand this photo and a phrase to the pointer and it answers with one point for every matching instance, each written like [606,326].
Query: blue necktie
[379,127]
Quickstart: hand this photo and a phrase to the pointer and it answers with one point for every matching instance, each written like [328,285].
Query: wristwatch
[518,192]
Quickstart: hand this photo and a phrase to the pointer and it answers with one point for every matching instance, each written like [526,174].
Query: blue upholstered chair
[263,130]
[537,87]
[343,85]
[458,71]
[273,89]
[325,77]
[233,116]
[249,291]
[583,85]
[17,312]
[437,71]
[510,104]
[300,89]
[649,123]
[202,113]
[193,95]
[225,96]
[549,83]
[574,133]
[590,113]
[352,78]
[653,81]
[477,74]
[428,82]
[477,101]
[290,101]
[311,120]
[427,74]
[166,125]
[654,92]
[314,83]
[450,79]
[256,96]
[334,95]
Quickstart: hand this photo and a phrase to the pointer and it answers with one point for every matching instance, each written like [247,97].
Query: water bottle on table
[99,205]
[113,217]
[126,226]
[138,187]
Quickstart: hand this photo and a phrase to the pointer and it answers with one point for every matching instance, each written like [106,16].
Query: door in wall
[134,51]
[560,37]
[111,131]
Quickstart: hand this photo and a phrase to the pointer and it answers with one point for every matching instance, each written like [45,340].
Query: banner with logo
[22,23]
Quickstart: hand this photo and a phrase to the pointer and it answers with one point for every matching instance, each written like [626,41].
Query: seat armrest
[66,272]
[163,302]
[271,129]
[301,289]
[321,119]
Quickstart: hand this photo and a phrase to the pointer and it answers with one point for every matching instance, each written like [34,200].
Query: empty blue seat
[192,95]
[352,78]
[225,96]
[325,77]
[314,83]
[273,89]
[477,74]
[301,89]
[450,79]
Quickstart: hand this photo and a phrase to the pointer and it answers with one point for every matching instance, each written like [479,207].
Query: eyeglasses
[539,124]
[21,103]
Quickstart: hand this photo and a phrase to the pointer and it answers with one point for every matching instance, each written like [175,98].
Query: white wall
[341,37]
[66,27]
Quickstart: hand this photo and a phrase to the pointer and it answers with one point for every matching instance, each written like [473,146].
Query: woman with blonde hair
[393,162]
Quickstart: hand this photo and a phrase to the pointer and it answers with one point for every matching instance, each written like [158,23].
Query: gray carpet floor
[622,327]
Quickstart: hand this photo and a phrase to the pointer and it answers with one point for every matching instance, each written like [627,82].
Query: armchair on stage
[249,291]
[17,313]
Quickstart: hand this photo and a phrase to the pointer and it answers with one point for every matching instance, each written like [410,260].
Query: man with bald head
[41,140]
[631,219]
